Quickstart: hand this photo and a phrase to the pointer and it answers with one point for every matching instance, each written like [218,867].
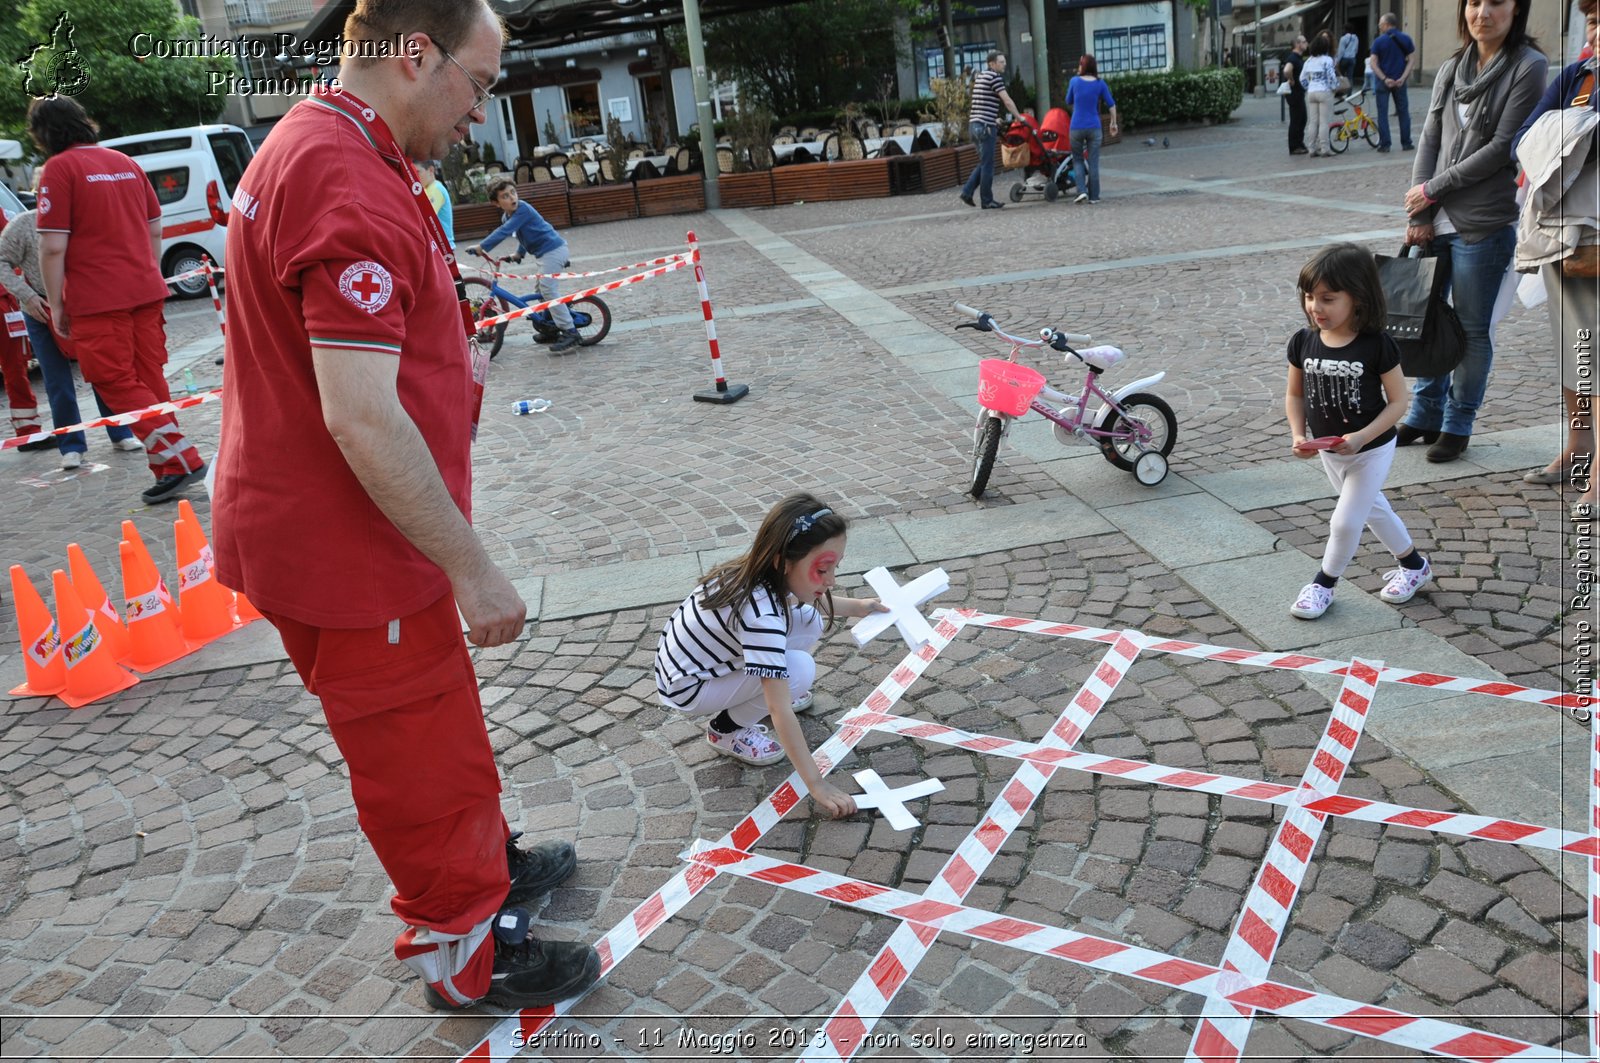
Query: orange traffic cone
[203,603]
[95,599]
[243,611]
[43,669]
[155,636]
[91,673]
[131,534]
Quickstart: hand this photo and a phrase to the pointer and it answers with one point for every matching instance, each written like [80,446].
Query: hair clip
[805,523]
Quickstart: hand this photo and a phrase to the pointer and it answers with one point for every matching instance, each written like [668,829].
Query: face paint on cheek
[823,563]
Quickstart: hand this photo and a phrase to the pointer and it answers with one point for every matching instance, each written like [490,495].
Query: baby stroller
[1049,169]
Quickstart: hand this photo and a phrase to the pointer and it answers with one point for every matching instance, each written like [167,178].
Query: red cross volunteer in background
[350,409]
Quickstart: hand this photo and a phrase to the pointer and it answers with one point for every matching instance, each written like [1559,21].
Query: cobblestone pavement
[181,876]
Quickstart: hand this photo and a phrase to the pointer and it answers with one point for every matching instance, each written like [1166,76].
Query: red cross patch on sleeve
[366,284]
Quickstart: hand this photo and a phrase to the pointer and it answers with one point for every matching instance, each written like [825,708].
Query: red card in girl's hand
[1320,443]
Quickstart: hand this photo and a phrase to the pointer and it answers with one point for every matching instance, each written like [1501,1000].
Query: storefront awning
[1278,16]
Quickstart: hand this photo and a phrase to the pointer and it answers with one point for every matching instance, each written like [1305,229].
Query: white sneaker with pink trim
[752,744]
[1313,601]
[1405,582]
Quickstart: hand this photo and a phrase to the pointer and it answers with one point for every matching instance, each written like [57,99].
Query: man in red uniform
[343,489]
[99,250]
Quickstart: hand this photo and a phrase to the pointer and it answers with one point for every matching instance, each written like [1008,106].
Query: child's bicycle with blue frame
[590,315]
[1134,429]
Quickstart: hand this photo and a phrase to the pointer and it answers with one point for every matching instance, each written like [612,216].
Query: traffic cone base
[44,669]
[243,611]
[92,674]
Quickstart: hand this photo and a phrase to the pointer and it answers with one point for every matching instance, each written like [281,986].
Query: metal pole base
[723,396]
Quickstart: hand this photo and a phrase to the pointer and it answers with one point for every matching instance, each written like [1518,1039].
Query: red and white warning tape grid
[678,262]
[512,1034]
[1235,989]
[485,271]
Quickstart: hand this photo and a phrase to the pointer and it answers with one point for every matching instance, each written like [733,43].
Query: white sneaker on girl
[1313,601]
[803,703]
[1405,582]
[752,744]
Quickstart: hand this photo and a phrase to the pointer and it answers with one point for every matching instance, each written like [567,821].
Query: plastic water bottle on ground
[523,407]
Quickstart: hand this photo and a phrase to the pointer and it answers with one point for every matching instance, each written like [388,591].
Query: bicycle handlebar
[1054,338]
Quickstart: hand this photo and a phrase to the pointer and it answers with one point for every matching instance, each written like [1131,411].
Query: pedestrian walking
[1085,95]
[1393,58]
[350,398]
[737,651]
[1345,394]
[1293,63]
[1462,204]
[988,94]
[99,227]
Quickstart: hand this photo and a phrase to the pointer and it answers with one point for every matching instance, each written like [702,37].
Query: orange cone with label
[95,599]
[44,670]
[243,611]
[155,635]
[131,534]
[204,604]
[91,672]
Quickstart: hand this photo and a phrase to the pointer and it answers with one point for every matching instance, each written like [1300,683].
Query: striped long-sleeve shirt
[699,644]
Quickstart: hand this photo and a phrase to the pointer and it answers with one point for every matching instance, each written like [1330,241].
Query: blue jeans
[984,135]
[1450,403]
[62,392]
[1086,146]
[1402,111]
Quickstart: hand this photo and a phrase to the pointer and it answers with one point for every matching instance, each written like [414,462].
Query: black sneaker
[567,342]
[168,486]
[967,200]
[537,870]
[545,335]
[529,973]
[996,205]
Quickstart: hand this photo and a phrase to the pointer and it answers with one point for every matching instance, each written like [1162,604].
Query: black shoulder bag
[1424,326]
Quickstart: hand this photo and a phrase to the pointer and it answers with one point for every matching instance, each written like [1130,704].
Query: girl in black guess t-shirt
[1346,393]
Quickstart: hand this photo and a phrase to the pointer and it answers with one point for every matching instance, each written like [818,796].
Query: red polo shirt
[105,202]
[326,248]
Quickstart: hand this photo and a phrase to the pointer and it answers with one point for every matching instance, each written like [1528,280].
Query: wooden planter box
[549,198]
[939,168]
[474,221]
[745,189]
[671,195]
[859,179]
[807,182]
[967,160]
[905,175]
[597,203]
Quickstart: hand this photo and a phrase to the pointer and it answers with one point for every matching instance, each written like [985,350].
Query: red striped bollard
[216,300]
[723,393]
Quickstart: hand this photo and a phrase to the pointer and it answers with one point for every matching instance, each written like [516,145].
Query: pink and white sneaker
[803,703]
[1404,582]
[1313,601]
[752,744]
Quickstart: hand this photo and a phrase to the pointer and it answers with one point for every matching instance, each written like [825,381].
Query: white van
[194,172]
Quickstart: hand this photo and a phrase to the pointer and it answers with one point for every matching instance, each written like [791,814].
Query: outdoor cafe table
[784,151]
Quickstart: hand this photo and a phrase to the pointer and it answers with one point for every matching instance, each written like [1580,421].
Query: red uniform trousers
[401,701]
[122,354]
[14,364]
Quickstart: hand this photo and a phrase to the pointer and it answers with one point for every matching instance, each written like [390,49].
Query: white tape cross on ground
[1236,989]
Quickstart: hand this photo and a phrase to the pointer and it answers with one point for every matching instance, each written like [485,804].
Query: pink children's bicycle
[1133,429]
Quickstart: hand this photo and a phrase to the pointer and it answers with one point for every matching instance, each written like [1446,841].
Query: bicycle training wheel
[592,318]
[983,454]
[1122,446]
[1369,129]
[486,304]
[1338,137]
[1150,468]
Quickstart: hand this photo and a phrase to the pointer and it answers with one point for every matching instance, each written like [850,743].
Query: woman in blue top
[1084,96]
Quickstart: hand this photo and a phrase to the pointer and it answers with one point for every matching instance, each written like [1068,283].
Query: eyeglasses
[484,95]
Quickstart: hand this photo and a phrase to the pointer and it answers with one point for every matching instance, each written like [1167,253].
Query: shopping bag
[1422,324]
[1013,156]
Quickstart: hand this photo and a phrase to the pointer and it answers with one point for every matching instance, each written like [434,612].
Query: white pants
[1319,115]
[1359,480]
[740,693]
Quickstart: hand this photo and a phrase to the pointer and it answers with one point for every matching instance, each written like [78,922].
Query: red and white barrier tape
[868,999]
[1413,1032]
[487,272]
[186,274]
[516,1032]
[1298,662]
[119,418]
[1221,1030]
[491,322]
[216,300]
[720,381]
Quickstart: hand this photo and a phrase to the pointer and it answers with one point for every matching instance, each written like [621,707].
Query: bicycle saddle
[1104,356]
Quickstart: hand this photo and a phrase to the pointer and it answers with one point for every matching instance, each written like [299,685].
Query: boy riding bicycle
[549,250]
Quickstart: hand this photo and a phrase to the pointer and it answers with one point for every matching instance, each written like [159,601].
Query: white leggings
[1359,480]
[740,693]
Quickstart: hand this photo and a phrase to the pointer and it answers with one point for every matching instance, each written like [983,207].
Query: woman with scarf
[1463,202]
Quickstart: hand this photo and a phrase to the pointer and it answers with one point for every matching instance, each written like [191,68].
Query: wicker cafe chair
[610,173]
[867,129]
[724,159]
[523,173]
[904,129]
[783,138]
[762,158]
[830,147]
[575,173]
[540,172]
[850,147]
[684,158]
[787,131]
[556,160]
[637,153]
[808,133]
